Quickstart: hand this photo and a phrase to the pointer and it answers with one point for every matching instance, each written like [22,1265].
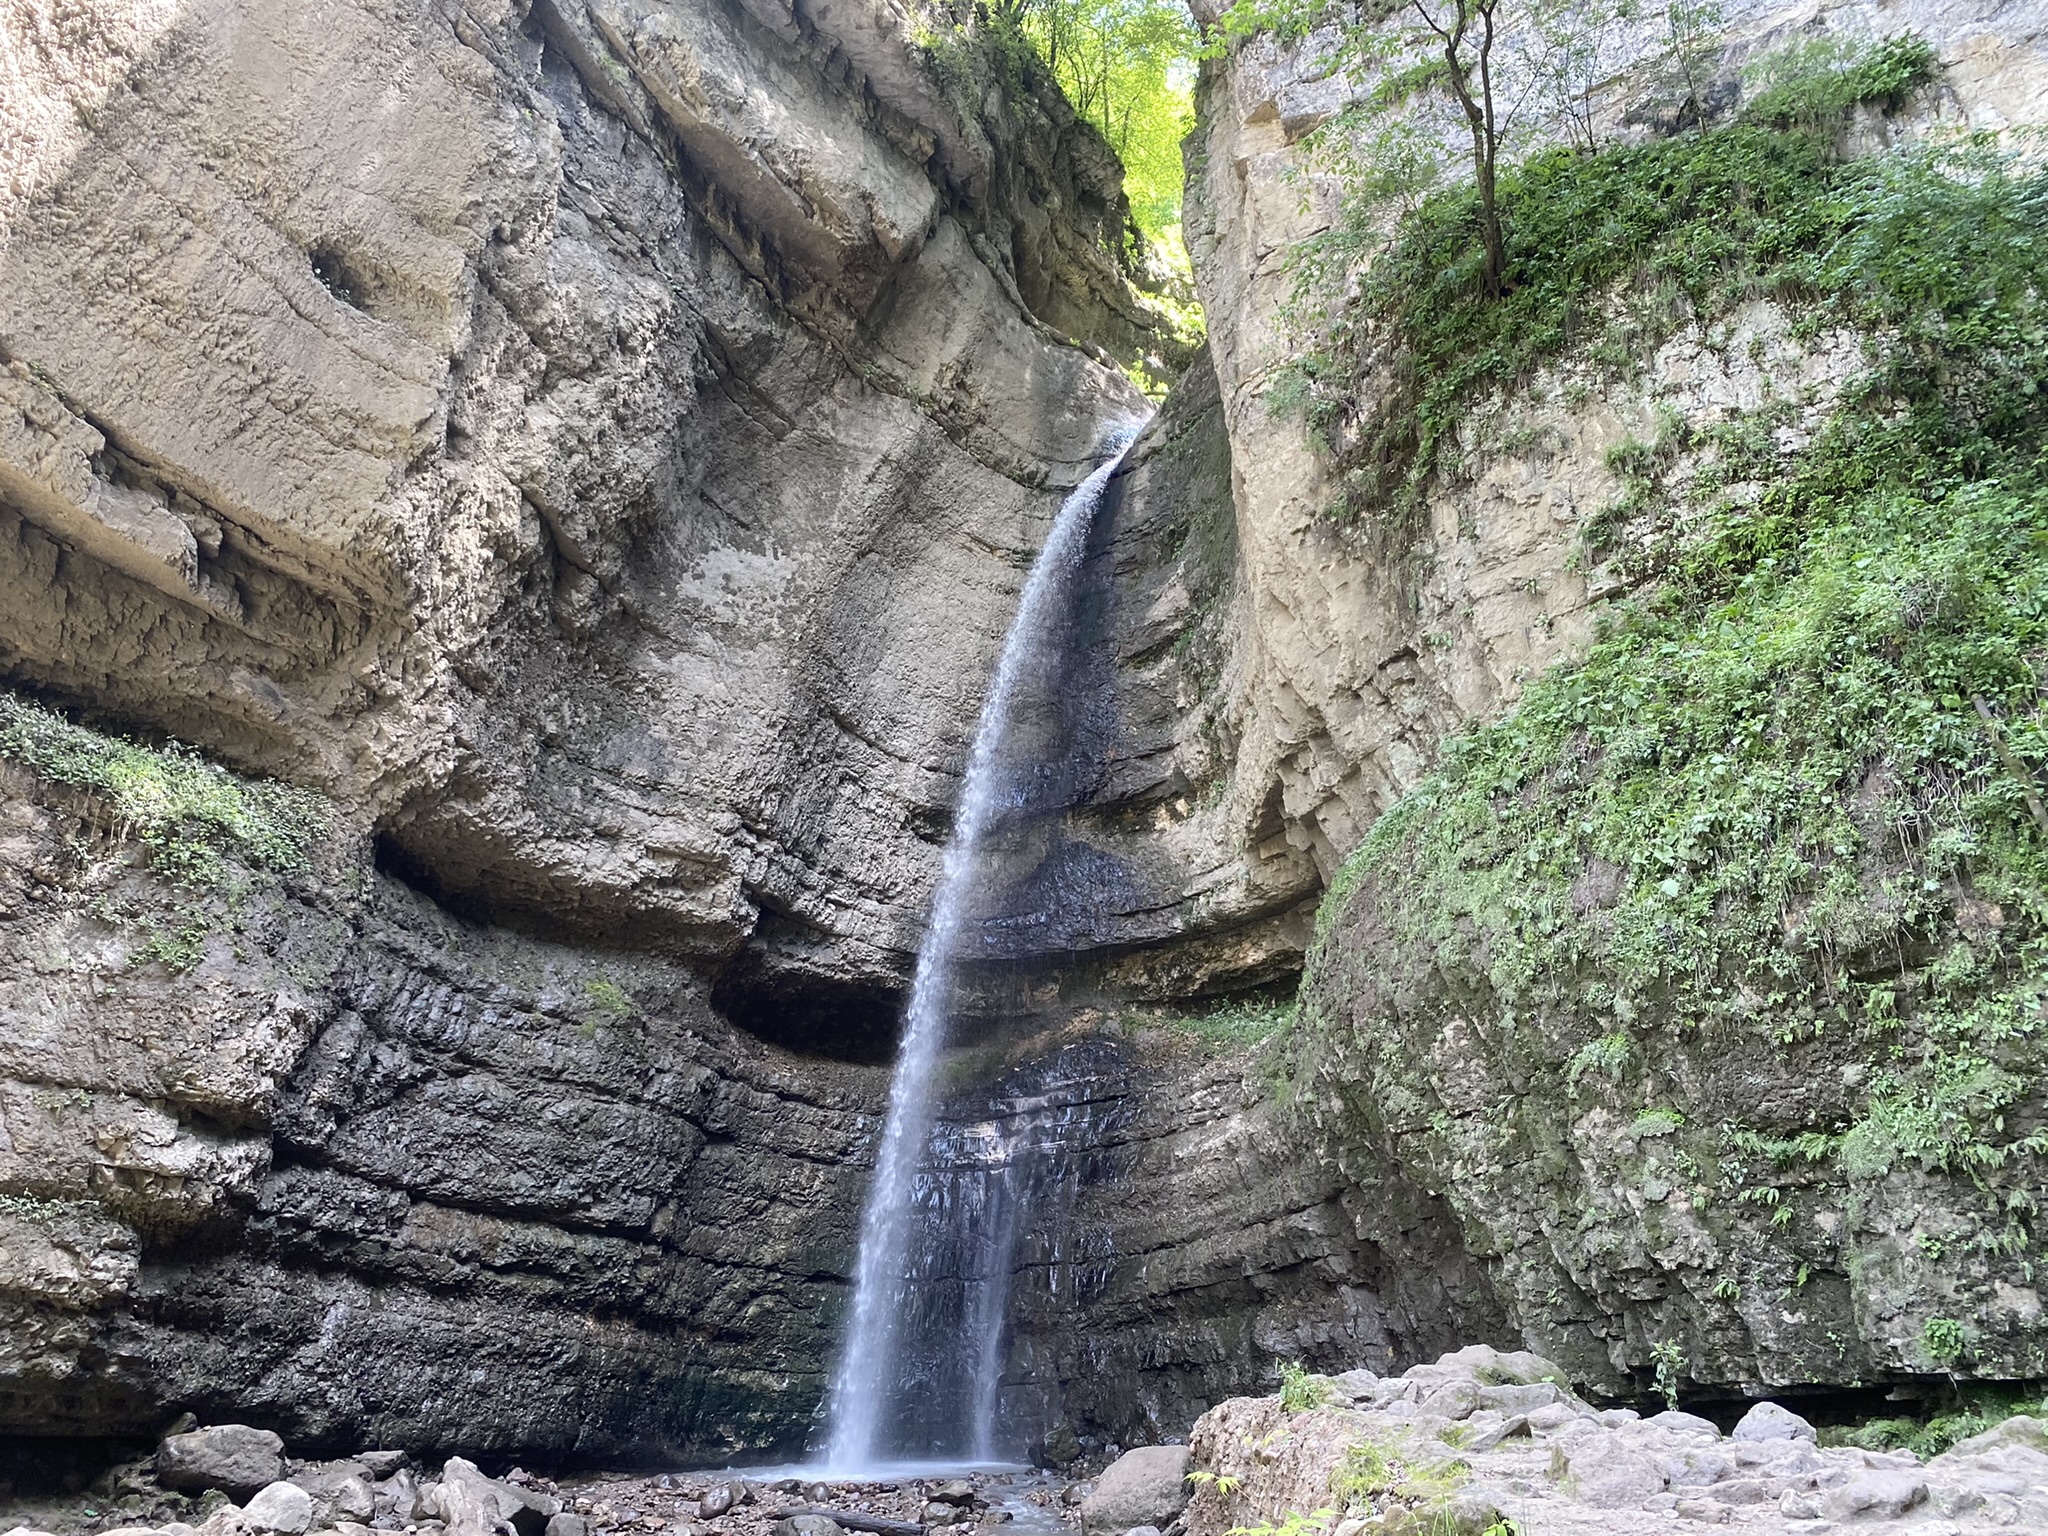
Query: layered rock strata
[366,1173]
[598,445]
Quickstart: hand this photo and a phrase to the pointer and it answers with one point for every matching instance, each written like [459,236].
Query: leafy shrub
[1968,1412]
[1815,83]
[1300,1390]
[1240,1022]
[189,813]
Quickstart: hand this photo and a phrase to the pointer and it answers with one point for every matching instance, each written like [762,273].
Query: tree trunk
[1479,115]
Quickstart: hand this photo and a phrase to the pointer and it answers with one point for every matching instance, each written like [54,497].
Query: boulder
[382,1464]
[937,1514]
[1501,1368]
[1517,1398]
[231,1457]
[1148,1486]
[1357,1386]
[1768,1421]
[719,1498]
[2021,1429]
[340,1490]
[807,1525]
[953,1491]
[1875,1496]
[398,1495]
[283,1508]
[473,1505]
[1608,1475]
[1058,1446]
[1453,1400]
[568,1525]
[1684,1423]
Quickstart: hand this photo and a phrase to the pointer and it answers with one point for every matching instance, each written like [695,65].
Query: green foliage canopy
[1128,67]
[1829,720]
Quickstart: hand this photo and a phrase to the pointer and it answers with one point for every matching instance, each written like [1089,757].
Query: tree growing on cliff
[1465,34]
[1442,81]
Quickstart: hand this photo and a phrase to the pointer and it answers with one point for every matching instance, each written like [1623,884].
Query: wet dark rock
[1058,1446]
[719,1498]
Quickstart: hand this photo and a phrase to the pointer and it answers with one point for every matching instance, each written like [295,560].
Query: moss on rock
[1709,982]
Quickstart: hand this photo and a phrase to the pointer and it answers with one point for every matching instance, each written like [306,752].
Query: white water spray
[869,1377]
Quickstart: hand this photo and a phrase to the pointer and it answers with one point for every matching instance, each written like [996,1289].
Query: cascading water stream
[869,1378]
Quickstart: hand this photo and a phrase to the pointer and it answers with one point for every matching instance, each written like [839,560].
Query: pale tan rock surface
[370,378]
[1354,660]
[1481,1436]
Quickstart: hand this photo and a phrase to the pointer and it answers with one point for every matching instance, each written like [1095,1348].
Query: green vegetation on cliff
[190,814]
[1127,67]
[1767,870]
[1607,255]
[1822,734]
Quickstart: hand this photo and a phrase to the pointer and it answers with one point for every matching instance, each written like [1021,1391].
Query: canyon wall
[1764,1267]
[594,451]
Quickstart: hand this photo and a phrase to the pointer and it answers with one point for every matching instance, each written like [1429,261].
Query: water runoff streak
[870,1385]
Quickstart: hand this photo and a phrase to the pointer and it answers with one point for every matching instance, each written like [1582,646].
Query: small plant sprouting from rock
[1667,1357]
[1371,1475]
[192,815]
[1222,1484]
[1943,1340]
[1301,1390]
[1657,1122]
[1606,1055]
[1293,1523]
[608,998]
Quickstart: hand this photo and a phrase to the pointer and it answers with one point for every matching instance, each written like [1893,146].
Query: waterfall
[869,1385]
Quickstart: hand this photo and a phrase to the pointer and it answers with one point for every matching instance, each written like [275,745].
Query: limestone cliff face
[356,1169]
[1351,664]
[597,446]
[600,445]
[1354,660]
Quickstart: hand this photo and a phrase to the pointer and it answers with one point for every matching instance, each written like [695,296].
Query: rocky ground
[1489,1444]
[1480,1443]
[232,1480]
